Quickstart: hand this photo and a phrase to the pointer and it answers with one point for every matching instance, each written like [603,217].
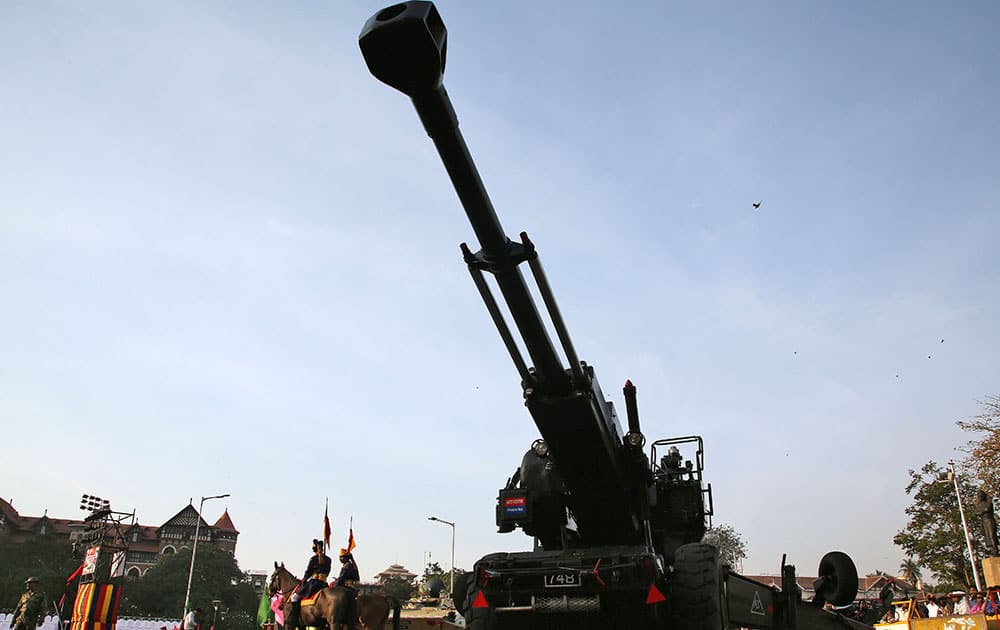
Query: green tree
[729,542]
[910,571]
[934,536]
[447,578]
[49,558]
[399,588]
[433,569]
[216,577]
[983,461]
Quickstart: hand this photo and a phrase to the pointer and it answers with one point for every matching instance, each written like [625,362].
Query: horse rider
[348,581]
[313,581]
[349,577]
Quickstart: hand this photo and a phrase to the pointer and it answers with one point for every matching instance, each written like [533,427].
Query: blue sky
[230,259]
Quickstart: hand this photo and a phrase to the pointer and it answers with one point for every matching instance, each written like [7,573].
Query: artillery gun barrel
[405,46]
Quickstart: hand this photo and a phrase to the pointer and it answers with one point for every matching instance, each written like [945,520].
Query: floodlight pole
[194,549]
[965,526]
[451,587]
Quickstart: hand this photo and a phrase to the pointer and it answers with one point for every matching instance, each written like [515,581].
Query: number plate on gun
[562,580]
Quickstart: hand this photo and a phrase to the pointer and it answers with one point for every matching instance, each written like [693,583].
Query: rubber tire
[479,620]
[460,592]
[839,566]
[695,601]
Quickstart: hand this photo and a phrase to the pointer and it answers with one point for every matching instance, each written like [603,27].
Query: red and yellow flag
[350,542]
[326,525]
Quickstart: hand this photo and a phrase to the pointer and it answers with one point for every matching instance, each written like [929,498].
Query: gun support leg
[553,307]
[498,320]
[436,112]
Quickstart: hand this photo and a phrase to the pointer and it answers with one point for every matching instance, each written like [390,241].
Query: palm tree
[910,571]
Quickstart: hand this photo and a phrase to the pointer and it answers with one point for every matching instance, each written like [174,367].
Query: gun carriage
[617,532]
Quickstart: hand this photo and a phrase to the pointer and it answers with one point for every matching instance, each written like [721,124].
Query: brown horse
[331,605]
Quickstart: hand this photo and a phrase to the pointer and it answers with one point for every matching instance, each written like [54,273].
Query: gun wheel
[696,588]
[477,624]
[841,585]
[460,592]
[479,619]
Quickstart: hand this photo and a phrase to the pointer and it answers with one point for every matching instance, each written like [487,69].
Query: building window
[134,573]
[168,550]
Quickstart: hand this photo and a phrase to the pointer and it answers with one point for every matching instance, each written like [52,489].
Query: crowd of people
[926,605]
[959,603]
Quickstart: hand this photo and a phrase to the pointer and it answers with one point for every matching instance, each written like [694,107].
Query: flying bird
[756,205]
[942,341]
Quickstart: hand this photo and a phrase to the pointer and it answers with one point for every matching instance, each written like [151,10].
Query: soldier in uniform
[313,581]
[29,612]
[348,581]
[349,575]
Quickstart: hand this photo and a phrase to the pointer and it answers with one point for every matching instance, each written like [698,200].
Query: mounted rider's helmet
[345,556]
[317,545]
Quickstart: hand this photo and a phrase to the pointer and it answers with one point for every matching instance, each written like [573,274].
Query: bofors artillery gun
[617,532]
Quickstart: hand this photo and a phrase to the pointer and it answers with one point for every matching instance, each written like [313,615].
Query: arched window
[134,573]
[168,550]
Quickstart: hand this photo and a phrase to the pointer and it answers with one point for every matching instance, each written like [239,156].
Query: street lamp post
[965,526]
[451,586]
[194,549]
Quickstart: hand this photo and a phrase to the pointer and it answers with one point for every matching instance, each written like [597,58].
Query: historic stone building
[395,571]
[19,529]
[146,543]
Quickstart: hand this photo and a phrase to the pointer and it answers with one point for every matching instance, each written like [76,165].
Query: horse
[332,603]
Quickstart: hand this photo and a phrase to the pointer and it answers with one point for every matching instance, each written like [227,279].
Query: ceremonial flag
[326,525]
[279,613]
[350,540]
[264,612]
[69,582]
[75,574]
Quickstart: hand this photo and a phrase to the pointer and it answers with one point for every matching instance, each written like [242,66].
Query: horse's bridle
[284,594]
[274,588]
